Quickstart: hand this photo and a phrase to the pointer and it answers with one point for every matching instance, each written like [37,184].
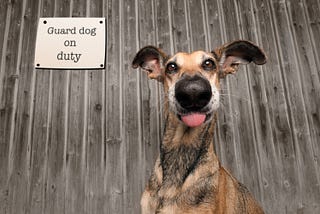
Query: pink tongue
[193,120]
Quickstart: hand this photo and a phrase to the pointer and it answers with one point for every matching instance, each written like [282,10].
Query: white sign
[70,43]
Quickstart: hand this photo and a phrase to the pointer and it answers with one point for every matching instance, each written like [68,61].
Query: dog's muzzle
[193,94]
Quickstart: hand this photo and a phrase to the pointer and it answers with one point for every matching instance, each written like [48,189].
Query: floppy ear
[233,54]
[151,60]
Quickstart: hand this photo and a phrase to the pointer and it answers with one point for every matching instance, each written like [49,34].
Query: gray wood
[267,95]
[295,108]
[77,130]
[114,144]
[85,141]
[18,92]
[94,194]
[58,103]
[131,109]
[5,108]
[148,92]
[308,81]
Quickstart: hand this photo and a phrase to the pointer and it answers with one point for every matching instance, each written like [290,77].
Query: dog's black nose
[193,92]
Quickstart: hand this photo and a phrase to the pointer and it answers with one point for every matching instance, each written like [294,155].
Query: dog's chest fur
[188,177]
[184,174]
[180,159]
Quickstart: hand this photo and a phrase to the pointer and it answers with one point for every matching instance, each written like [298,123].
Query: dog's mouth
[193,99]
[195,119]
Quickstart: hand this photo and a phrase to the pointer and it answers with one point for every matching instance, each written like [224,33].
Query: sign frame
[71,43]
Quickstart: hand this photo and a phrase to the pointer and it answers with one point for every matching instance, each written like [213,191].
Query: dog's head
[191,80]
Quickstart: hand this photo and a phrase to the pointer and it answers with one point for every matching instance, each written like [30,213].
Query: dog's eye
[208,65]
[172,68]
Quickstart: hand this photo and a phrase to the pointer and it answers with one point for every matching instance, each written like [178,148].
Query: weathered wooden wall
[85,141]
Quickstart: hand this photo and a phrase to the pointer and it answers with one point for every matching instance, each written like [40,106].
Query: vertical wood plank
[77,131]
[5,107]
[3,41]
[307,136]
[75,145]
[290,153]
[56,160]
[268,100]
[312,8]
[55,194]
[162,23]
[181,34]
[313,58]
[196,24]
[114,144]
[148,91]
[39,142]
[94,167]
[41,113]
[18,89]
[132,124]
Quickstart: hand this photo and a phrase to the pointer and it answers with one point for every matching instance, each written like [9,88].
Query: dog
[188,177]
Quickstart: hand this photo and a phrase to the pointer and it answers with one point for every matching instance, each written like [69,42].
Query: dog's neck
[183,149]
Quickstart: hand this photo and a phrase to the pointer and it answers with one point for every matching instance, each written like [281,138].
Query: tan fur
[190,64]
[208,187]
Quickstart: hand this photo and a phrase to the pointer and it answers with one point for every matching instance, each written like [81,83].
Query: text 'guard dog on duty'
[188,177]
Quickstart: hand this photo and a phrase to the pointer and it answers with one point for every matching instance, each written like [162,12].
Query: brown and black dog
[188,177]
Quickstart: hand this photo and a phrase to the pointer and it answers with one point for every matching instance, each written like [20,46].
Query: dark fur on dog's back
[187,176]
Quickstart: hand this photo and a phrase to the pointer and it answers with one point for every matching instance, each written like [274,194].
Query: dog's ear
[231,55]
[151,60]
